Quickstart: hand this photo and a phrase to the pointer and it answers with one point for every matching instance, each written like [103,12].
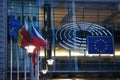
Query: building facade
[3,39]
[66,26]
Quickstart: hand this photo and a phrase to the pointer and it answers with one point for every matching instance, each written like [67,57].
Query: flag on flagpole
[37,39]
[14,26]
[28,35]
[23,37]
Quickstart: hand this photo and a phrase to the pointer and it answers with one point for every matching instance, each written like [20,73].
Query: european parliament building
[72,28]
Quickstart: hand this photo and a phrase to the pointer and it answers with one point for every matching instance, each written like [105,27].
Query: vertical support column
[76,63]
[47,27]
[48,30]
[53,32]
[74,20]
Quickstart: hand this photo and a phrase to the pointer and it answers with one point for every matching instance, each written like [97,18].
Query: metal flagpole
[17,62]
[37,68]
[31,68]
[24,66]
[11,58]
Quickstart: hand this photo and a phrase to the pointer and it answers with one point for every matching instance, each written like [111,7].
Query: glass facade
[49,16]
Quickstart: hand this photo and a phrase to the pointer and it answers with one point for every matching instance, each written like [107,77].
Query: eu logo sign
[100,45]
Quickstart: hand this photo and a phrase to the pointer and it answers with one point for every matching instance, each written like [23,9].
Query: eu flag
[14,26]
[100,45]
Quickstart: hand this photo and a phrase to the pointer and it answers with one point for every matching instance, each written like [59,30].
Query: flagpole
[38,65]
[24,66]
[31,68]
[37,68]
[11,58]
[11,51]
[17,62]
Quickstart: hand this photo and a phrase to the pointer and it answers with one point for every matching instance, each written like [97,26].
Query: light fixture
[90,55]
[50,61]
[44,71]
[30,48]
[111,55]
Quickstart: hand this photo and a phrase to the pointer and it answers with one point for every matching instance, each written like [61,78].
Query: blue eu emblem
[100,45]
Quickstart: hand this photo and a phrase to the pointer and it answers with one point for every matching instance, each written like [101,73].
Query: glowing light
[111,55]
[50,61]
[30,48]
[90,55]
[44,71]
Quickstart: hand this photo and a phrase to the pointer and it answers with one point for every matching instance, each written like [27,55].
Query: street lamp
[30,49]
[44,71]
[50,61]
